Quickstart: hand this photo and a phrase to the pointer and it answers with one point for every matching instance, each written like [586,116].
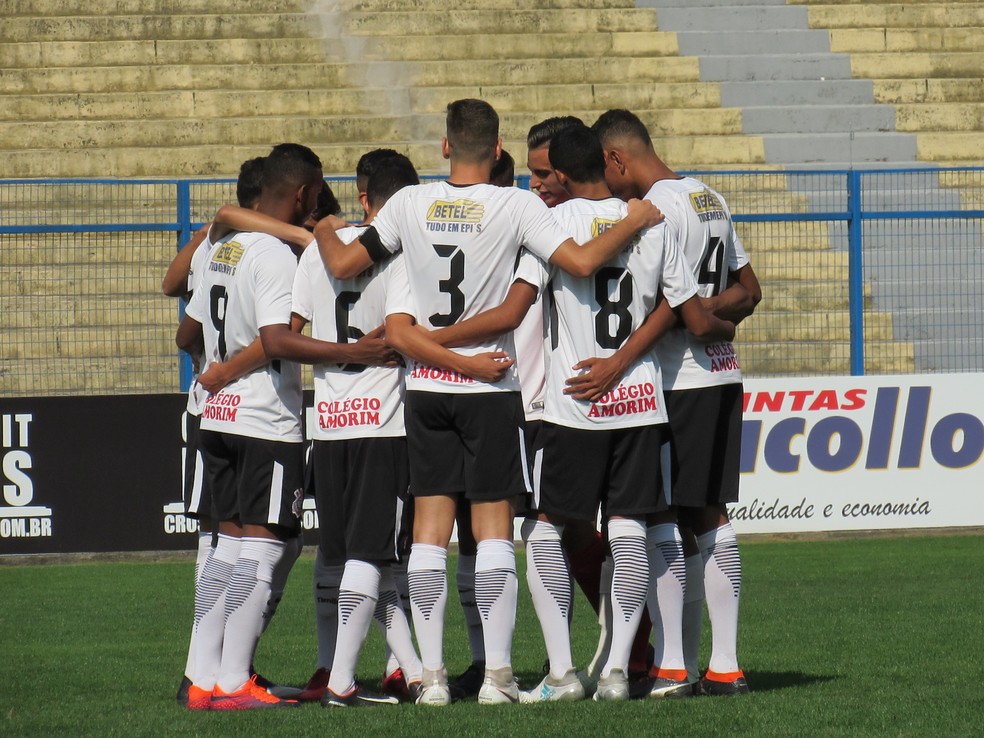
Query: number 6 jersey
[592,317]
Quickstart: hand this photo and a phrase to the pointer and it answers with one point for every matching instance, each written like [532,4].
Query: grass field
[858,637]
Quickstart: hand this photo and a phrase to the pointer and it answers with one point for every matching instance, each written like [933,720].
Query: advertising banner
[860,453]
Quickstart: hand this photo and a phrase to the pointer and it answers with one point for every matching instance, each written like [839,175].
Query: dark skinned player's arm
[175,282]
[403,335]
[221,373]
[490,324]
[232,218]
[280,342]
[605,373]
[583,260]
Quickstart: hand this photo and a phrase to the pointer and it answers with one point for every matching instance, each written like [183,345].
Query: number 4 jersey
[246,285]
[699,221]
[592,317]
[350,400]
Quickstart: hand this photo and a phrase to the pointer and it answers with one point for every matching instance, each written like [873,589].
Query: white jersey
[530,337]
[594,316]
[350,400]
[461,246]
[197,395]
[699,220]
[245,286]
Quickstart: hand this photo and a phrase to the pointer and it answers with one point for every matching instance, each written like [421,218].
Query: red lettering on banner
[799,400]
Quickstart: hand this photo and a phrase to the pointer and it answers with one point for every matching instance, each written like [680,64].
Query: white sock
[693,615]
[496,590]
[427,577]
[326,582]
[465,579]
[549,578]
[210,612]
[245,599]
[630,584]
[396,629]
[667,595]
[356,603]
[604,619]
[292,549]
[204,551]
[722,585]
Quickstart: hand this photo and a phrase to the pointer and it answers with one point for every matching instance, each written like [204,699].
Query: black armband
[374,247]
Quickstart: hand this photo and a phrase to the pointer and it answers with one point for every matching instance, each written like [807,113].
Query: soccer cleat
[567,688]
[713,684]
[182,696]
[277,690]
[198,698]
[666,688]
[589,681]
[396,685]
[469,682]
[499,687]
[314,690]
[251,696]
[357,697]
[612,688]
[433,689]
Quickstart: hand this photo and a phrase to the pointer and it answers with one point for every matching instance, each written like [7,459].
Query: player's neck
[653,170]
[468,173]
[589,190]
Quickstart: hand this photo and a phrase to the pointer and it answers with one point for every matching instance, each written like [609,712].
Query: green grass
[860,637]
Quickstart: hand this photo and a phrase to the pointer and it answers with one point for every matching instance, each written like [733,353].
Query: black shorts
[471,444]
[364,511]
[525,506]
[254,480]
[196,495]
[705,444]
[578,470]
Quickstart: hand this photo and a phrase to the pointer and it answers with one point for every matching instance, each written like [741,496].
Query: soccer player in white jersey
[600,453]
[251,437]
[460,240]
[359,456]
[703,394]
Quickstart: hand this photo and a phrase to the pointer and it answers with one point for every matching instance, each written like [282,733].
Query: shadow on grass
[769,681]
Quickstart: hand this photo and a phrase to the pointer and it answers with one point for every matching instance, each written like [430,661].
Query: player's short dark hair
[390,176]
[542,133]
[327,204]
[472,130]
[576,151]
[250,182]
[503,171]
[290,165]
[618,124]
[367,164]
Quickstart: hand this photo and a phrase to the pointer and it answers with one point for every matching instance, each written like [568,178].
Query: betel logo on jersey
[458,216]
[707,206]
[18,517]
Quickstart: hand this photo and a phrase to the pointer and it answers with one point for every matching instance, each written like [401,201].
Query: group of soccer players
[480,351]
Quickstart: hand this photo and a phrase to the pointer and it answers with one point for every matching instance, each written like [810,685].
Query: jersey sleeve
[736,256]
[272,273]
[302,301]
[198,305]
[676,280]
[533,271]
[196,269]
[397,284]
[538,229]
[386,224]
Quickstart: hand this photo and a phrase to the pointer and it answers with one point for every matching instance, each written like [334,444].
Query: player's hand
[490,366]
[644,214]
[215,377]
[372,350]
[599,377]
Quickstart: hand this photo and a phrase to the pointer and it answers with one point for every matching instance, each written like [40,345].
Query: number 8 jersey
[592,317]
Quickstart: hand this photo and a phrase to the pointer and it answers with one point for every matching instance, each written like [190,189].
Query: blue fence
[863,271]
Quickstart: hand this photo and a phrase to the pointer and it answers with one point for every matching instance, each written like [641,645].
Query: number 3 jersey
[246,285]
[699,221]
[350,400]
[460,245]
[592,317]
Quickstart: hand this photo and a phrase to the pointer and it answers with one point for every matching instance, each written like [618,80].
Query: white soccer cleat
[433,689]
[612,688]
[567,688]
[499,687]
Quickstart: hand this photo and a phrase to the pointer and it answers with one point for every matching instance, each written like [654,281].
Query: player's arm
[583,260]
[175,282]
[490,324]
[232,218]
[343,260]
[403,335]
[280,342]
[734,303]
[189,337]
[221,373]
